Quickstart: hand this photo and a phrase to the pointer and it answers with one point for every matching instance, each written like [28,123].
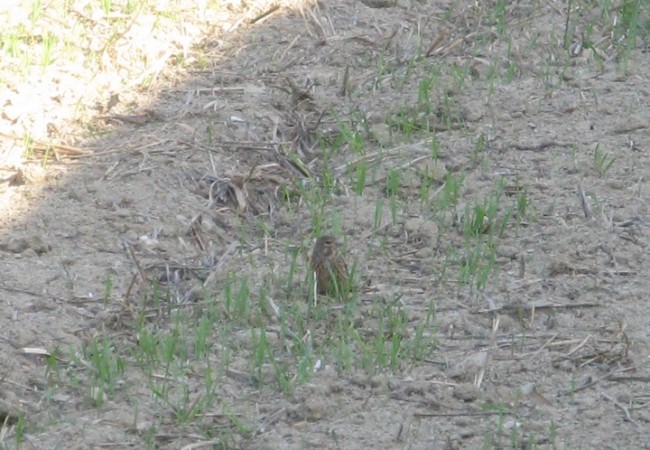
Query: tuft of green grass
[626,32]
[424,94]
[602,162]
[483,224]
[108,366]
[500,16]
[450,193]
[379,210]
[479,147]
[20,430]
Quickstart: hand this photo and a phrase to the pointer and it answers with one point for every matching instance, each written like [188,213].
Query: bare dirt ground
[491,187]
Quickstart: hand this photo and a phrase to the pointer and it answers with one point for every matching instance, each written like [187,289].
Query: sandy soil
[212,183]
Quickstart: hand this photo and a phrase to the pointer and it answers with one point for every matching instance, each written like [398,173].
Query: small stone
[379,3]
[467,392]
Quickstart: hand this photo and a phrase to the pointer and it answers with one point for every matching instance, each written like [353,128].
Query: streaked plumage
[328,265]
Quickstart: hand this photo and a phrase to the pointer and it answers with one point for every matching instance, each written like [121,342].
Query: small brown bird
[329,266]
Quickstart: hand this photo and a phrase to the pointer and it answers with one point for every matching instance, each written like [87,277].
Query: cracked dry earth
[218,182]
